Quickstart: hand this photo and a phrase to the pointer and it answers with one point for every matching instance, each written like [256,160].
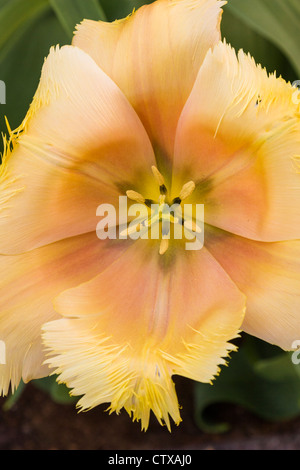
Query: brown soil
[35,422]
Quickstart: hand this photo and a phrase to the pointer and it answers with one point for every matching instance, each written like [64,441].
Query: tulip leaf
[72,12]
[269,387]
[276,20]
[20,69]
[14,397]
[241,36]
[59,393]
[16,17]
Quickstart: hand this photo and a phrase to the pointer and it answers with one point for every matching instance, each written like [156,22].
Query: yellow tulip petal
[154,56]
[81,140]
[269,275]
[239,138]
[144,319]
[29,282]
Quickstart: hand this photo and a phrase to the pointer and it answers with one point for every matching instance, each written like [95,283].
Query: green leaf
[266,53]
[21,68]
[279,368]
[59,393]
[267,386]
[276,20]
[14,397]
[16,17]
[72,12]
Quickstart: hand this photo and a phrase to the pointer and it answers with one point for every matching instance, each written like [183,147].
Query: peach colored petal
[238,138]
[154,56]
[144,319]
[29,282]
[269,275]
[81,141]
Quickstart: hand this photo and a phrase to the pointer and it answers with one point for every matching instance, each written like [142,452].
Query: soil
[35,422]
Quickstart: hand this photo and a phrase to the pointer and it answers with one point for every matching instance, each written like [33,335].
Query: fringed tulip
[153,107]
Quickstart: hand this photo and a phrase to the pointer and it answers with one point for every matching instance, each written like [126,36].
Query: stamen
[161,213]
[158,176]
[130,230]
[191,225]
[163,190]
[170,218]
[187,190]
[176,200]
[148,202]
[134,196]
[161,201]
[164,245]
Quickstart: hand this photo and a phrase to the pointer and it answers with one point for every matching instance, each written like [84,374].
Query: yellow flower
[154,107]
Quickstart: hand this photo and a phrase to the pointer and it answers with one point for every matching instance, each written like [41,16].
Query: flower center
[163,213]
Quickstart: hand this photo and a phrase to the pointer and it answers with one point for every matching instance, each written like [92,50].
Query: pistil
[161,213]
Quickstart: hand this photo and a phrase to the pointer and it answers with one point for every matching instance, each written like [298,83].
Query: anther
[158,176]
[164,245]
[187,190]
[134,196]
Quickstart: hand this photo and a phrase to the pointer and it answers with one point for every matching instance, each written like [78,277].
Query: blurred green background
[260,377]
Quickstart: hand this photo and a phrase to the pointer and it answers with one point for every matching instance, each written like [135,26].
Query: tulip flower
[154,108]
